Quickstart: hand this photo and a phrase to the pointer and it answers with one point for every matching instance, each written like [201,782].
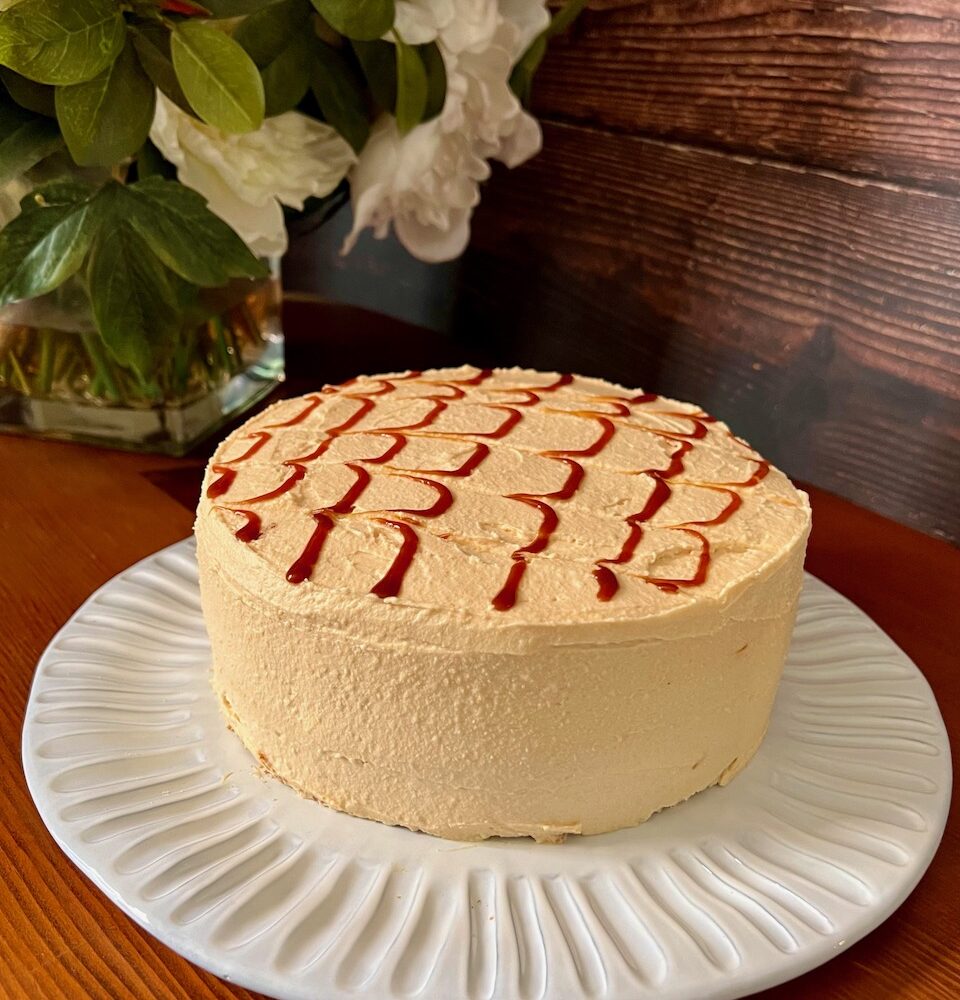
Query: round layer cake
[497,603]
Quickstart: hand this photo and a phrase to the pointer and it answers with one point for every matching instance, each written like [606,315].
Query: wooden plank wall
[754,204]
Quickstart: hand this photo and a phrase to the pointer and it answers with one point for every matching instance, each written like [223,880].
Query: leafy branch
[78,89]
[144,250]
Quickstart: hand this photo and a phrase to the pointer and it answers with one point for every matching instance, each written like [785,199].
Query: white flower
[456,25]
[426,183]
[245,178]
[419,21]
[529,17]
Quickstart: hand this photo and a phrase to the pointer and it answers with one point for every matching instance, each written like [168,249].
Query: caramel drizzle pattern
[391,583]
[607,581]
[325,518]
[506,597]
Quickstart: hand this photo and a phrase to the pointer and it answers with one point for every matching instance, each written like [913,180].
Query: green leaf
[27,146]
[151,163]
[436,79]
[48,241]
[152,42]
[564,17]
[339,92]
[278,40]
[364,20]
[411,87]
[64,192]
[108,118]
[219,79]
[61,41]
[287,78]
[378,60]
[36,97]
[185,235]
[521,79]
[265,34]
[135,304]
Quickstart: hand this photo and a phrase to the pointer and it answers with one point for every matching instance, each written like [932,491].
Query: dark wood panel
[871,87]
[819,315]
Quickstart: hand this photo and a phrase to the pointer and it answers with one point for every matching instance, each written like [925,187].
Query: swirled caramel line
[298,418]
[513,418]
[531,400]
[297,472]
[223,482]
[608,583]
[261,438]
[325,519]
[762,469]
[249,531]
[506,596]
[391,582]
[440,506]
[605,577]
[700,574]
[303,567]
[226,474]
[331,435]
[477,379]
[439,405]
[399,443]
[480,453]
[574,479]
[607,430]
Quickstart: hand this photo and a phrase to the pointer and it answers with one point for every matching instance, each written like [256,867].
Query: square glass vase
[58,380]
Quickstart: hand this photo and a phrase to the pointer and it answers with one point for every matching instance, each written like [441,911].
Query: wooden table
[71,517]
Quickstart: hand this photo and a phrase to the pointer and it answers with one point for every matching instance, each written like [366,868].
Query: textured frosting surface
[354,463]
[503,602]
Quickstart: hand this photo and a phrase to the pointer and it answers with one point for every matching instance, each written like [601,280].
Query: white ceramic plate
[817,842]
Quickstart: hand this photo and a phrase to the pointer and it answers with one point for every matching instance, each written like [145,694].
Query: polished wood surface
[71,517]
[754,204]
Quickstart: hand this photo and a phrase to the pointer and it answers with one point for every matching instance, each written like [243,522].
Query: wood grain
[71,517]
[819,315]
[871,87]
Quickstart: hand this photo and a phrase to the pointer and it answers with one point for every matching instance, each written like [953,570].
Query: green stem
[103,382]
[70,369]
[45,373]
[63,354]
[184,359]
[147,389]
[220,341]
[233,347]
[8,335]
[20,376]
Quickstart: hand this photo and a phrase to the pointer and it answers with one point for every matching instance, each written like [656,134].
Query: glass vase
[57,378]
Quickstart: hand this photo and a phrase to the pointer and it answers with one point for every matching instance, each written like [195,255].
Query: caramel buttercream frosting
[497,603]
